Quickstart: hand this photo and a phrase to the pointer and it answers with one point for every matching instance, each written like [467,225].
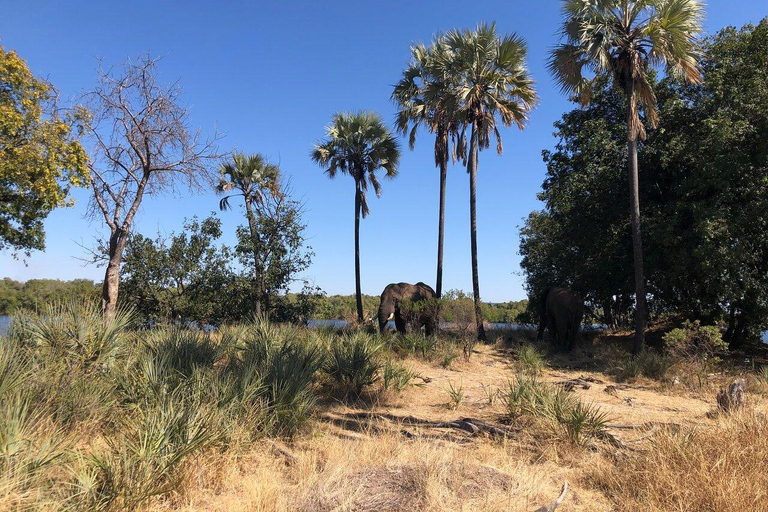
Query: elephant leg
[574,330]
[399,321]
[429,325]
[562,331]
[552,327]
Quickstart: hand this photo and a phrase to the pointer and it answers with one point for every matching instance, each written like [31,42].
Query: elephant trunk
[386,312]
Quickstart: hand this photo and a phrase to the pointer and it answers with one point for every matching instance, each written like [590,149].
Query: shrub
[649,364]
[75,330]
[561,412]
[396,376]
[353,363]
[530,360]
[695,341]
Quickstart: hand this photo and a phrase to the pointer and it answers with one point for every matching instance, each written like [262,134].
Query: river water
[5,322]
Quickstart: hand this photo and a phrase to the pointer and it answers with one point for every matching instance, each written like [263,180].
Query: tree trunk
[637,243]
[109,289]
[472,168]
[358,294]
[441,230]
[257,290]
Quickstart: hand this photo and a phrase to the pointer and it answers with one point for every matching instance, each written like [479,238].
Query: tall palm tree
[423,96]
[252,177]
[488,78]
[624,39]
[358,144]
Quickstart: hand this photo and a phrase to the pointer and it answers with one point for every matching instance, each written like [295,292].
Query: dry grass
[718,468]
[391,473]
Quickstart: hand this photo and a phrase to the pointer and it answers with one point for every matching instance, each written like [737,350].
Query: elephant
[394,294]
[561,311]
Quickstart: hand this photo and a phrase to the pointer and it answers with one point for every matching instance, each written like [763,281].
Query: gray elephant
[394,294]
[561,311]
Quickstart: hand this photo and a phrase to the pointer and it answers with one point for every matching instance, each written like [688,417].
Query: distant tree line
[35,293]
[703,196]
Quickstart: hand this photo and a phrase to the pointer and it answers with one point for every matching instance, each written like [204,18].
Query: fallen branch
[552,506]
[289,457]
[570,384]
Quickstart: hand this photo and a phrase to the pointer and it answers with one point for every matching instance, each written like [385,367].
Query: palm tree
[488,77]
[358,144]
[422,95]
[253,177]
[624,39]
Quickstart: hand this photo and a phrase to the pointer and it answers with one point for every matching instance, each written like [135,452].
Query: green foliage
[353,362]
[155,400]
[395,376]
[74,330]
[701,196]
[562,412]
[40,158]
[695,341]
[186,276]
[647,363]
[455,395]
[36,293]
[530,360]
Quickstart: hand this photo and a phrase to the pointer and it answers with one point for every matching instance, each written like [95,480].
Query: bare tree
[141,144]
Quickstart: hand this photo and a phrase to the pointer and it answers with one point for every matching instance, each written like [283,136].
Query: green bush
[395,376]
[353,362]
[530,360]
[74,330]
[693,340]
[562,412]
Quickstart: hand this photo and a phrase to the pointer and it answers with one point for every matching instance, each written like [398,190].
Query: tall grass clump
[530,360]
[559,411]
[74,330]
[353,363]
[648,364]
[715,467]
[283,365]
[395,376]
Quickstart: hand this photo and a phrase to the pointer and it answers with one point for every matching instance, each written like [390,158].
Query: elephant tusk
[391,317]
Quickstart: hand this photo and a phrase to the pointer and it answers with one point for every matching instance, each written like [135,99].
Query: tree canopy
[703,196]
[40,157]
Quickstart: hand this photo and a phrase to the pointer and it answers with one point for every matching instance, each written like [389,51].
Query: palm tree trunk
[637,242]
[472,168]
[358,294]
[441,230]
[255,243]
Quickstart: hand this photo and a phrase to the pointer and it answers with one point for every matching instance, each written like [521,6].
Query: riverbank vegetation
[109,417]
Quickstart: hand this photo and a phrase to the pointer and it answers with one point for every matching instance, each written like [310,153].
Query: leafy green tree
[255,179]
[358,144]
[185,277]
[37,293]
[488,78]
[281,254]
[424,98]
[582,238]
[623,39]
[40,158]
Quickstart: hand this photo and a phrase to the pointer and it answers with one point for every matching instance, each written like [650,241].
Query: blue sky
[270,75]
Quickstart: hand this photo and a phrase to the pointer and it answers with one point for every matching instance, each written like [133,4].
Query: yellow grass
[358,458]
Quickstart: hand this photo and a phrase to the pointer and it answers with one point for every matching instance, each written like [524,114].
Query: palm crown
[252,176]
[488,77]
[624,39]
[424,97]
[359,144]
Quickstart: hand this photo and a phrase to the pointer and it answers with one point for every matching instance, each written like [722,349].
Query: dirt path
[376,456]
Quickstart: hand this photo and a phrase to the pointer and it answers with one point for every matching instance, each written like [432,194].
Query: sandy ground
[372,454]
